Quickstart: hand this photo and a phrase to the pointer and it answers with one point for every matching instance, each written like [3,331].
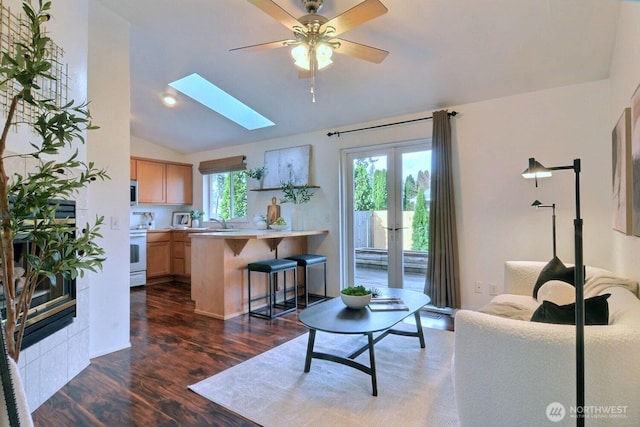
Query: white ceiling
[442,53]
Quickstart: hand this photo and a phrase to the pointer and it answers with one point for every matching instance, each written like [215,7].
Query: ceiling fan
[315,37]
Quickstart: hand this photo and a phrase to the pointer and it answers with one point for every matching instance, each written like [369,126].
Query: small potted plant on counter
[257,174]
[195,218]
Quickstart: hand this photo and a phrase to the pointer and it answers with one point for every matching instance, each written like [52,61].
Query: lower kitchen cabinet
[158,254]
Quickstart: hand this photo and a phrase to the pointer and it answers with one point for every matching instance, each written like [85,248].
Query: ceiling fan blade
[359,14]
[264,46]
[276,12]
[360,51]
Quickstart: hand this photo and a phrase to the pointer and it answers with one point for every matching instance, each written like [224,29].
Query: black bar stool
[306,261]
[272,267]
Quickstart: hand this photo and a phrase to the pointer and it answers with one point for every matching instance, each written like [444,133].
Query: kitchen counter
[219,265]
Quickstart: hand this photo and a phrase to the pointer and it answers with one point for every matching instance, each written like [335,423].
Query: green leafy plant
[26,211]
[361,291]
[196,214]
[257,173]
[295,195]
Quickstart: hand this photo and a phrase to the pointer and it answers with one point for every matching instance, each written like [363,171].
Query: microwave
[134,193]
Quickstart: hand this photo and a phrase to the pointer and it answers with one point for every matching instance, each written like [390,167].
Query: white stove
[138,257]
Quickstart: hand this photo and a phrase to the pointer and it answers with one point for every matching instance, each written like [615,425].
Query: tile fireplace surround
[49,364]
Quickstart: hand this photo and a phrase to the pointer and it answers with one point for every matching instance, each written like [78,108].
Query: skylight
[211,96]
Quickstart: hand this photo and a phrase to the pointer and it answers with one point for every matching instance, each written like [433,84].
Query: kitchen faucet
[222,222]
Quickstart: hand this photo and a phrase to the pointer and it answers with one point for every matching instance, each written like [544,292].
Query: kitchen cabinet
[133,170]
[181,255]
[161,182]
[179,184]
[158,254]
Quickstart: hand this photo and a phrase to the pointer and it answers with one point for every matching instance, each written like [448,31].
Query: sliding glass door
[387,214]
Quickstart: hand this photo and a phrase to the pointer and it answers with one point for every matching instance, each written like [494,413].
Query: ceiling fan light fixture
[323,55]
[300,56]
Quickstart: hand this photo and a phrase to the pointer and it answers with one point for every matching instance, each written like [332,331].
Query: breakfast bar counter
[219,265]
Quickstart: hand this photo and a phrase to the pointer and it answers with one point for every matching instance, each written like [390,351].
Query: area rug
[415,386]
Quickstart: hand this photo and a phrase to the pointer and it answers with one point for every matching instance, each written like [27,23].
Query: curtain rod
[330,134]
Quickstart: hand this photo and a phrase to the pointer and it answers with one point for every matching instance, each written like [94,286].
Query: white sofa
[507,372]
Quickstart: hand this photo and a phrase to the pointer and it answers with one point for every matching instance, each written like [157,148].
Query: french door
[386,213]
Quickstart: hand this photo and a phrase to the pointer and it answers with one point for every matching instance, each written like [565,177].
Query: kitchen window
[226,195]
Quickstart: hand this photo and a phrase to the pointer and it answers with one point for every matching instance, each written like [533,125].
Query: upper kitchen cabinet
[133,169]
[162,182]
[179,184]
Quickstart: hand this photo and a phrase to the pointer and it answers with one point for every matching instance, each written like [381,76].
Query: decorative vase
[297,220]
[195,223]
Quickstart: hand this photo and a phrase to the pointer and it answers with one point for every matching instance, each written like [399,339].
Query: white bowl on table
[355,302]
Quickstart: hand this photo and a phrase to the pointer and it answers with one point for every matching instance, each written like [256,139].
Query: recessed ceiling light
[169,99]
[211,96]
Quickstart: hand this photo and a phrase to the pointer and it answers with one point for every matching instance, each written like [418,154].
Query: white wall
[109,148]
[624,79]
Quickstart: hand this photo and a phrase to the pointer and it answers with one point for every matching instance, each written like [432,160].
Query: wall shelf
[280,188]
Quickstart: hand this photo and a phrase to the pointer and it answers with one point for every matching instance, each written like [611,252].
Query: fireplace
[53,306]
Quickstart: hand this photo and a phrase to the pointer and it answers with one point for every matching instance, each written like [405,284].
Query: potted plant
[297,195]
[195,218]
[356,297]
[26,208]
[257,174]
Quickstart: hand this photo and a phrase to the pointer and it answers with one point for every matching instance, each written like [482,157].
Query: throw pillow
[558,292]
[554,270]
[596,312]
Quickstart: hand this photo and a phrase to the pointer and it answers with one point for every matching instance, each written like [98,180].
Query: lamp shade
[536,170]
[300,56]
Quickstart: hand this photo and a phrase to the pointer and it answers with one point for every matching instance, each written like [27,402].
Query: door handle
[394,229]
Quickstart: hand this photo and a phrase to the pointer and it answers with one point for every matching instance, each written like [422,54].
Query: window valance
[228,164]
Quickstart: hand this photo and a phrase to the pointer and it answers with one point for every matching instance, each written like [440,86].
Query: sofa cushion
[596,312]
[558,292]
[554,270]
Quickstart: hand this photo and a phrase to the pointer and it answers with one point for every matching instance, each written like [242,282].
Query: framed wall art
[621,195]
[635,162]
[287,165]
[181,220]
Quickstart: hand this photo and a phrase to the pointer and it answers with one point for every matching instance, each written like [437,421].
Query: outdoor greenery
[363,187]
[420,225]
[370,193]
[238,192]
[380,190]
[26,213]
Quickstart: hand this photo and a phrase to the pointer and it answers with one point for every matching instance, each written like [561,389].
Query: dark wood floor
[171,348]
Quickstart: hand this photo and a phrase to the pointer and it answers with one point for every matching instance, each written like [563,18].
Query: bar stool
[306,261]
[272,267]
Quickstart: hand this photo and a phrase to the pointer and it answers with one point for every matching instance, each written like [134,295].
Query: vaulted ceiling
[442,53]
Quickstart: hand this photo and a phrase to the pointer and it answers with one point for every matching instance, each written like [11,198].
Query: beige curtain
[443,272]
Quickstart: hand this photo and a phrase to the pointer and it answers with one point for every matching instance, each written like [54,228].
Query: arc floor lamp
[536,170]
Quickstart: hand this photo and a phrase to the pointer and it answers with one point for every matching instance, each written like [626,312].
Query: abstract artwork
[635,161]
[621,195]
[287,165]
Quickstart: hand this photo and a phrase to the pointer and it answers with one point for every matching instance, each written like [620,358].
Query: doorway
[386,214]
